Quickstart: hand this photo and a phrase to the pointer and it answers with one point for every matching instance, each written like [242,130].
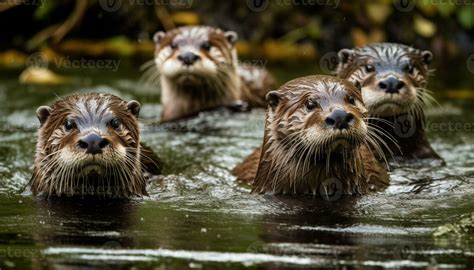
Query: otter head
[322,113]
[88,144]
[195,53]
[392,76]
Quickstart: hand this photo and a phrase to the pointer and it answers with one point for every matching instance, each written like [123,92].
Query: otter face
[190,53]
[324,113]
[392,76]
[91,137]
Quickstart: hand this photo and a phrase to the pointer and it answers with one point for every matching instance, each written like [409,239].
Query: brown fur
[59,160]
[404,122]
[215,80]
[295,159]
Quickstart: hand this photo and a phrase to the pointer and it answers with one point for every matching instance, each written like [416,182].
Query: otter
[198,70]
[394,78]
[89,144]
[316,134]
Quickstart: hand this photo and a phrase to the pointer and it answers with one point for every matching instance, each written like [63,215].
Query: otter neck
[187,98]
[407,130]
[283,171]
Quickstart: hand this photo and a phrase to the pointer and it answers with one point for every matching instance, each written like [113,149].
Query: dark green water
[200,218]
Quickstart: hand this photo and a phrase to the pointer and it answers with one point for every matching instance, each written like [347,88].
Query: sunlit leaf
[424,27]
[185,18]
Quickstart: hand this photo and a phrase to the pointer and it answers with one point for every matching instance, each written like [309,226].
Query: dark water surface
[200,218]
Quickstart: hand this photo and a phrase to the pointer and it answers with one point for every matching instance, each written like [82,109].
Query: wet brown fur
[121,179]
[276,168]
[201,92]
[406,128]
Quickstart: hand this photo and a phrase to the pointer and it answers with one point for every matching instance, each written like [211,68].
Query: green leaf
[466,17]
[44,9]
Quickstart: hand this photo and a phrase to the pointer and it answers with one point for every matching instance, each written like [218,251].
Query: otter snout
[339,119]
[93,144]
[391,85]
[188,58]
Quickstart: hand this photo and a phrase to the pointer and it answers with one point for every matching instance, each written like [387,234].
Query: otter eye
[115,123]
[206,46]
[351,100]
[311,105]
[174,46]
[408,68]
[69,125]
[369,68]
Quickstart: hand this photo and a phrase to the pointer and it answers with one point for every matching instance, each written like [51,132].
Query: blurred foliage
[286,30]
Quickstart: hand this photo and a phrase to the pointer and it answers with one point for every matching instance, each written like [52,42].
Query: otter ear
[134,107]
[345,55]
[43,113]
[427,57]
[231,36]
[273,98]
[158,36]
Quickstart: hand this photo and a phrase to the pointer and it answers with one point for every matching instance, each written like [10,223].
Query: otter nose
[391,85]
[93,144]
[188,58]
[339,119]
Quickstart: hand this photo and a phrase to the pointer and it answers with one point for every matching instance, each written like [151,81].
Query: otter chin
[315,131]
[393,78]
[198,70]
[89,144]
